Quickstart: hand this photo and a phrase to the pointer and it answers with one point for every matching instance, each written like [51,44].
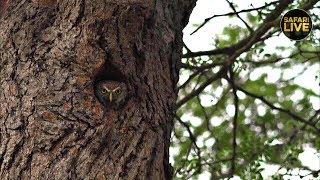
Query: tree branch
[233,13]
[270,21]
[235,122]
[194,93]
[288,112]
[194,142]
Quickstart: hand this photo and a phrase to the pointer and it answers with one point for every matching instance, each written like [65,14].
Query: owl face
[111,92]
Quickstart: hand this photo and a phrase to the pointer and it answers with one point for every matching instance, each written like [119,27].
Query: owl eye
[103,91]
[118,91]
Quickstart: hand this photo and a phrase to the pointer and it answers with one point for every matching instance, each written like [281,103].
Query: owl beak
[110,97]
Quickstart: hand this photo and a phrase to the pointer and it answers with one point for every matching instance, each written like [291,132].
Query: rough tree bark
[52,53]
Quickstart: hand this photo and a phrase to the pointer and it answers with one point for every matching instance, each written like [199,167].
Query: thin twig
[232,13]
[272,20]
[286,111]
[235,11]
[185,46]
[194,142]
[194,93]
[235,122]
[206,117]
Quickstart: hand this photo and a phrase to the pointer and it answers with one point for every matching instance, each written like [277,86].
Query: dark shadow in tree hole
[108,72]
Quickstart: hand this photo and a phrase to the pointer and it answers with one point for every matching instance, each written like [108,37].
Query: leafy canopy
[252,101]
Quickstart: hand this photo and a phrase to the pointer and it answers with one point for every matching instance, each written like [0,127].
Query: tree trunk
[51,55]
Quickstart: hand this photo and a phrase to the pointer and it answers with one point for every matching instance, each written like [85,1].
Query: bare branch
[233,13]
[272,106]
[262,62]
[200,70]
[185,46]
[272,20]
[235,122]
[194,93]
[206,117]
[295,132]
[194,142]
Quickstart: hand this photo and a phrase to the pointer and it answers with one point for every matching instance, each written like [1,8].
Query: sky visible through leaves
[291,83]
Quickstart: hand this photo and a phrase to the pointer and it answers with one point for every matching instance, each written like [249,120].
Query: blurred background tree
[250,104]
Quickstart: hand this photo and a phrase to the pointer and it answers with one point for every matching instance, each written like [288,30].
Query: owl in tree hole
[111,94]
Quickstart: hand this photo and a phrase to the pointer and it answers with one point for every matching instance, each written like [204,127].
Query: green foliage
[269,131]
[234,33]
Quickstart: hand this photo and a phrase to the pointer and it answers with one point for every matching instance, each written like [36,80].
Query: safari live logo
[296,24]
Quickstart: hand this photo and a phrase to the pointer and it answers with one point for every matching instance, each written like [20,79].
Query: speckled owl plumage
[111,94]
